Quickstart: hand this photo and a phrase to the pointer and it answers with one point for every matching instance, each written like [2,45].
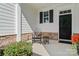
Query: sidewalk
[39,50]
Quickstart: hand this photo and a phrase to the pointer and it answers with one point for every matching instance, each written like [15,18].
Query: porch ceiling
[38,6]
[43,5]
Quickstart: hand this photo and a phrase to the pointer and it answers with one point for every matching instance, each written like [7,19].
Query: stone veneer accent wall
[5,40]
[26,36]
[51,35]
[75,33]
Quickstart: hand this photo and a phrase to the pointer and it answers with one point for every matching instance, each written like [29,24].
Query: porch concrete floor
[39,50]
[54,48]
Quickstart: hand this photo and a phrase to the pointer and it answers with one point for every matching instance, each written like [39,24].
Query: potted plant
[75,42]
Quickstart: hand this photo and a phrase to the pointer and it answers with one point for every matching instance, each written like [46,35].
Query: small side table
[46,39]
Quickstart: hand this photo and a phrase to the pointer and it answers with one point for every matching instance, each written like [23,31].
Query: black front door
[65,27]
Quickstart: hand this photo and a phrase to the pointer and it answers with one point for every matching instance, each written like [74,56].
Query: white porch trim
[18,23]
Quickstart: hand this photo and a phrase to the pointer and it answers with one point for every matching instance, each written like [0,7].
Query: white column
[18,22]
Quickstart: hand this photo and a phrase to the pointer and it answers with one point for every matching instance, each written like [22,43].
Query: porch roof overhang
[43,5]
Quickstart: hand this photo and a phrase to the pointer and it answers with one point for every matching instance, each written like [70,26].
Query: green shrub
[19,49]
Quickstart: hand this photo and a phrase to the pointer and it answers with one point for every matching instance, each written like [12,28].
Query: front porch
[47,18]
[54,48]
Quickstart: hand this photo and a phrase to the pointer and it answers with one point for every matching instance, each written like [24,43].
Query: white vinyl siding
[25,25]
[7,18]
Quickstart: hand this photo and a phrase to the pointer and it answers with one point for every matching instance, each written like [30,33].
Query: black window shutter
[51,16]
[41,17]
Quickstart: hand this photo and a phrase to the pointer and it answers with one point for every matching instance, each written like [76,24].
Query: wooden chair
[37,36]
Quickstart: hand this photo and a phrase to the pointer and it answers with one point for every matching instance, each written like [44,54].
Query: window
[65,11]
[46,16]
